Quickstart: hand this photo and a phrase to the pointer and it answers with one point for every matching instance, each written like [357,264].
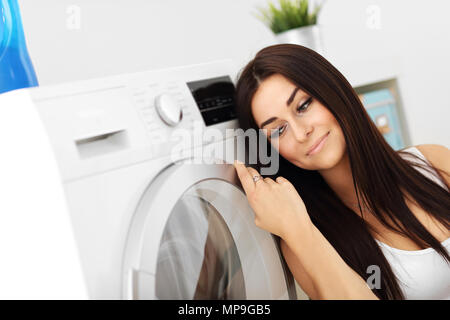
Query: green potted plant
[294,21]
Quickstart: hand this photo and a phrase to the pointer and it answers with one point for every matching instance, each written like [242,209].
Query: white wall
[117,36]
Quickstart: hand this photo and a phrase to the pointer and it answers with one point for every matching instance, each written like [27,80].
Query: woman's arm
[319,269]
[316,265]
[298,271]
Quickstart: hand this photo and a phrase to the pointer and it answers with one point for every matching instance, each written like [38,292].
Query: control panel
[104,123]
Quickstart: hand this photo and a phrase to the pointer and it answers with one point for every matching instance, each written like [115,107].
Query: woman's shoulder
[438,155]
[433,148]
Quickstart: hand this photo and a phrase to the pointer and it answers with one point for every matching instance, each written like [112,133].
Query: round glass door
[198,258]
[194,237]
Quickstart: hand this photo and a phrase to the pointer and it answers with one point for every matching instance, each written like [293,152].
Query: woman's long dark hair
[380,175]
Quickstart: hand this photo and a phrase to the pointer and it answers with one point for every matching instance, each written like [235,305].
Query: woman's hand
[278,207]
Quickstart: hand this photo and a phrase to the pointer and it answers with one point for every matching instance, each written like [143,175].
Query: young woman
[346,206]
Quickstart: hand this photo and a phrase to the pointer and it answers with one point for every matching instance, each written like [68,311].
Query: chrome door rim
[152,200]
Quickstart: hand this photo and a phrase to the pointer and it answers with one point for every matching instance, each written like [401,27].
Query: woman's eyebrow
[268,121]
[288,102]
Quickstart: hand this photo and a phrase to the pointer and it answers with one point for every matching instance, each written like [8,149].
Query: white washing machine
[149,222]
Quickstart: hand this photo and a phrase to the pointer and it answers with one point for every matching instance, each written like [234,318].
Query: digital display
[214,98]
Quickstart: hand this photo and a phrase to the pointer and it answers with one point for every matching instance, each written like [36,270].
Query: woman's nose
[300,132]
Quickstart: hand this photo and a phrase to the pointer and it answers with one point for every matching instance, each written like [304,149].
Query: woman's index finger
[244,176]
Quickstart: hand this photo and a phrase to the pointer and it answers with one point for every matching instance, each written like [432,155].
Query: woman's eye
[275,133]
[305,105]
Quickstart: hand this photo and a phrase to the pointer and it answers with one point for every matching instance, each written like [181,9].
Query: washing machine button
[168,109]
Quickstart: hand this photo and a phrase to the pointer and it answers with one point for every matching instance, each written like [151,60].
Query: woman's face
[295,122]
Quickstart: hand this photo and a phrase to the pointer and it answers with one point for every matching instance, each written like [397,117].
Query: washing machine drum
[208,247]
[198,258]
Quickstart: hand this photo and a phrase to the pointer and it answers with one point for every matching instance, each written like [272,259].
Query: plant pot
[309,36]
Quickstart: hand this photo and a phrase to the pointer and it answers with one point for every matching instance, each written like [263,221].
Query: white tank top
[422,274]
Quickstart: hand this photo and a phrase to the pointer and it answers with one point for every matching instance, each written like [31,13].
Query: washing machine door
[193,237]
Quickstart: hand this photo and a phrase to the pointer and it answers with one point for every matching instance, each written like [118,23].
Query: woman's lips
[319,145]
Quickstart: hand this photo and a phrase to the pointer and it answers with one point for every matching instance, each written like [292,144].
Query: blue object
[382,109]
[16,69]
